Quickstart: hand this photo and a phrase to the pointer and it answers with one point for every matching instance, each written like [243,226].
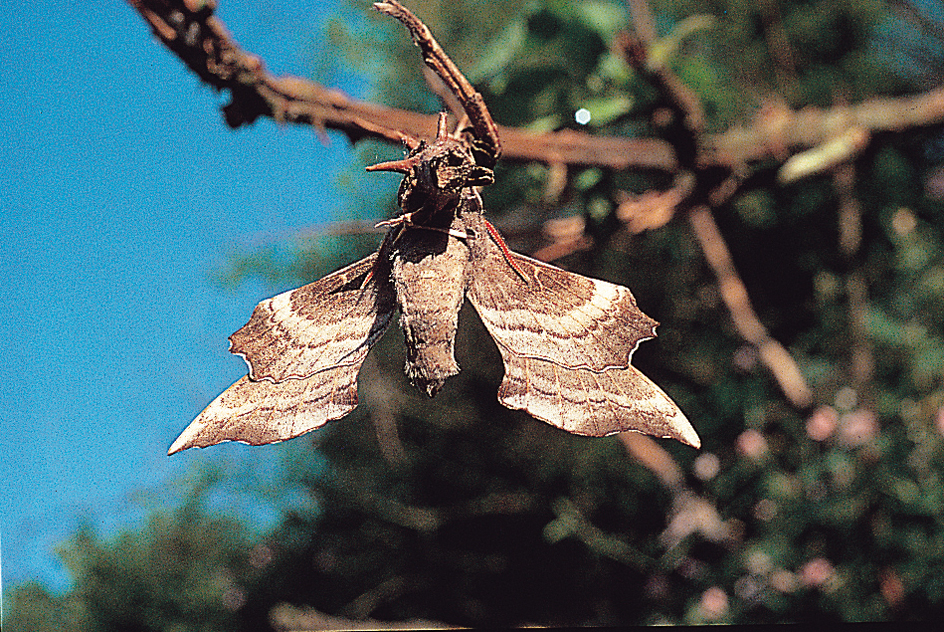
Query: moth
[565,340]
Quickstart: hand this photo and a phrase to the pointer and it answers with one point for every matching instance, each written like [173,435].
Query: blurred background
[790,246]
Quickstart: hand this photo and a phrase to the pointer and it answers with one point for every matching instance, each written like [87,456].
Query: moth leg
[406,221]
[506,253]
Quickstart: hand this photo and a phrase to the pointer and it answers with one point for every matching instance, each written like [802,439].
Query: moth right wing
[539,311]
[566,341]
[304,348]
[592,403]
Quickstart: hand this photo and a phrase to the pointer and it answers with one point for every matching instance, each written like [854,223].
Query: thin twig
[734,294]
[812,126]
[437,60]
[657,208]
[643,23]
[778,45]
[655,458]
[678,96]
[438,87]
[285,618]
[654,209]
[850,240]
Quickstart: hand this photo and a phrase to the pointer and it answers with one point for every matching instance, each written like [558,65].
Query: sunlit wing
[304,348]
[260,412]
[321,325]
[566,341]
[592,403]
[554,315]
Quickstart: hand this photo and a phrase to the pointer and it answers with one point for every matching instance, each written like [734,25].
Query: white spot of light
[582,116]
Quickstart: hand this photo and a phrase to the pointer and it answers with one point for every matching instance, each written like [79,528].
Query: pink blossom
[752,444]
[822,423]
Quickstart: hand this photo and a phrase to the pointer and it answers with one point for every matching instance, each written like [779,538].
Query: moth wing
[553,315]
[259,412]
[304,349]
[566,342]
[592,403]
[331,322]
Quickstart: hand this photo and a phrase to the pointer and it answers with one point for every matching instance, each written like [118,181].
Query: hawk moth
[566,340]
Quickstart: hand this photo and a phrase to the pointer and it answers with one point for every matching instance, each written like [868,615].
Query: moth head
[445,166]
[450,167]
[439,169]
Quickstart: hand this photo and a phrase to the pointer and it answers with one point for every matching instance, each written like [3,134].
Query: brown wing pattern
[592,403]
[566,341]
[304,349]
[570,320]
[324,324]
[260,412]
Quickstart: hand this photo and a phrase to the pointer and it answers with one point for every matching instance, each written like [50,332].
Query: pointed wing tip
[186,440]
[690,438]
[177,446]
[683,431]
[195,436]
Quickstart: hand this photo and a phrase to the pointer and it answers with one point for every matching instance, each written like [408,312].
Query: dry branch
[734,295]
[286,617]
[203,43]
[777,128]
[656,208]
[440,63]
[190,30]
[862,360]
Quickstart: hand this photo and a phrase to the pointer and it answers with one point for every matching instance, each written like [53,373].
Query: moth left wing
[304,349]
[260,412]
[321,325]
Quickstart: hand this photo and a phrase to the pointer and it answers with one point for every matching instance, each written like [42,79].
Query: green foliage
[186,569]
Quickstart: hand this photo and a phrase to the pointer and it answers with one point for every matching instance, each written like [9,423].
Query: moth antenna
[506,253]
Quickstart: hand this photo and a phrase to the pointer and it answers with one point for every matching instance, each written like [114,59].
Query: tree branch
[862,360]
[777,128]
[734,294]
[190,30]
[286,617]
[195,35]
[440,63]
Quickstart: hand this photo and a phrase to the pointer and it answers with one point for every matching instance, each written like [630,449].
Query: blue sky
[122,194]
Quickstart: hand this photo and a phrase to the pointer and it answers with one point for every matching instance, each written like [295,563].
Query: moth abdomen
[430,271]
[430,364]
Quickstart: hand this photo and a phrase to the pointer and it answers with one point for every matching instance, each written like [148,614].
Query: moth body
[430,274]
